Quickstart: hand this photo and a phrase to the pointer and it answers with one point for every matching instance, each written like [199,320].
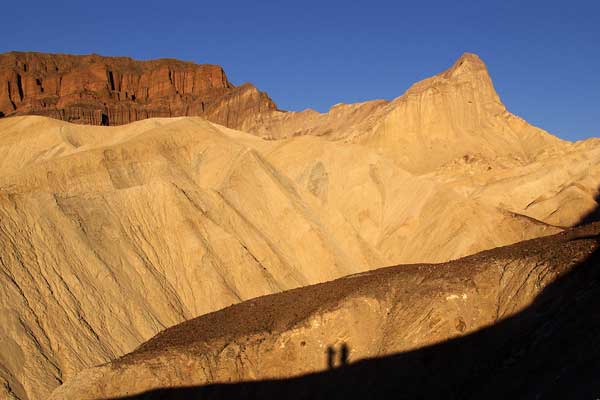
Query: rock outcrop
[99,90]
[518,321]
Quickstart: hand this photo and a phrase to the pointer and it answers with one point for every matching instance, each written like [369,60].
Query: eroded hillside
[113,234]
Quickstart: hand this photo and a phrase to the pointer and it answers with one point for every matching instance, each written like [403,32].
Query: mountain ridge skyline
[108,62]
[543,57]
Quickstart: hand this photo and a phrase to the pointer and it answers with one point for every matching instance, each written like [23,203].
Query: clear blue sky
[544,56]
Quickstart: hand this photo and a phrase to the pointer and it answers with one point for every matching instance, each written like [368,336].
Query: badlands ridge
[111,234]
[515,322]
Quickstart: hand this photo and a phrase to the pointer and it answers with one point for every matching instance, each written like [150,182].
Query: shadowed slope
[458,333]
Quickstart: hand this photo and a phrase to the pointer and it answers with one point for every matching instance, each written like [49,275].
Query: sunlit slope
[560,189]
[435,121]
[112,234]
[406,218]
[105,246]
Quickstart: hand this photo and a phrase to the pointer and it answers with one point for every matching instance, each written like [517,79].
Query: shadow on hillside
[343,353]
[593,215]
[549,350]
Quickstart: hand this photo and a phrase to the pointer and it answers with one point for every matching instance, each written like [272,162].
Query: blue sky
[544,56]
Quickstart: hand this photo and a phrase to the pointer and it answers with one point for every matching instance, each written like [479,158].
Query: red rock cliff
[99,90]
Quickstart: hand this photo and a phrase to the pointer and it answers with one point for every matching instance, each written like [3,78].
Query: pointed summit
[450,114]
[469,68]
[467,63]
[470,58]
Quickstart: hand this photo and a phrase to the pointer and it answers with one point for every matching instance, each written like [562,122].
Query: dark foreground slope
[520,321]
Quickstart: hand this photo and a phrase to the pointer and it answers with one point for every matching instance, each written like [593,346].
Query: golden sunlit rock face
[113,234]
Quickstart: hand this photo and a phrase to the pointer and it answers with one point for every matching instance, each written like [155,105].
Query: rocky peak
[468,63]
[468,69]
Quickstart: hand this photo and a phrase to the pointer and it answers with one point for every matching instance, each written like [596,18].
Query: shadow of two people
[331,352]
[549,350]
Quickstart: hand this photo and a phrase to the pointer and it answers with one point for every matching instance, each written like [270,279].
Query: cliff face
[100,90]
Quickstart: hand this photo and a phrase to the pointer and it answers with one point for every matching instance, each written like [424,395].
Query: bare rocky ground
[520,321]
[112,234]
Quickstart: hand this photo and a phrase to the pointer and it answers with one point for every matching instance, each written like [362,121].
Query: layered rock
[98,90]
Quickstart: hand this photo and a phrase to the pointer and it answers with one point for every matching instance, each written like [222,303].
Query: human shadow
[330,357]
[549,350]
[344,353]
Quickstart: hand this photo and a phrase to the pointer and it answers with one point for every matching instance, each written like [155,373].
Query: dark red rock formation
[99,90]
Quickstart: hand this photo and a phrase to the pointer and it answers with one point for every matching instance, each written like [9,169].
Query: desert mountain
[112,234]
[498,325]
[454,128]
[437,120]
[99,90]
